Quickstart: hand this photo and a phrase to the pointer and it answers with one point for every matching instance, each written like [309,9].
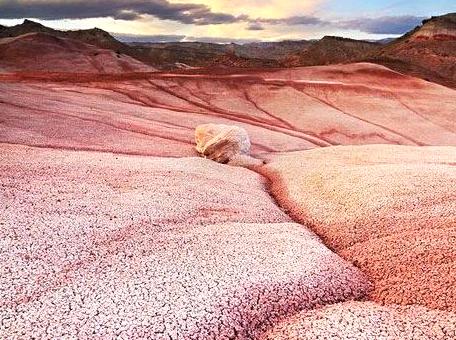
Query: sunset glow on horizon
[235,20]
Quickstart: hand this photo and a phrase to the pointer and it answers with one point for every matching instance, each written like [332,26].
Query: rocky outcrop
[221,143]
[437,28]
[428,52]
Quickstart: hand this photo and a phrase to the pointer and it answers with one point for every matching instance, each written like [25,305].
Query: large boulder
[221,143]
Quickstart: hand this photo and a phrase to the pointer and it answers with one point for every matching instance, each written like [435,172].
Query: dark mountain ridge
[332,50]
[170,55]
[428,51]
[94,36]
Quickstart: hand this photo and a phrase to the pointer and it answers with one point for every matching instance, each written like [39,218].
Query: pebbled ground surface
[388,209]
[366,321]
[98,245]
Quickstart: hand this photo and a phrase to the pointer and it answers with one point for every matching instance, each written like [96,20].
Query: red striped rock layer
[285,110]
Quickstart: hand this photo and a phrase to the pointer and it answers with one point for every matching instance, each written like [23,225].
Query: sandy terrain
[391,210]
[103,245]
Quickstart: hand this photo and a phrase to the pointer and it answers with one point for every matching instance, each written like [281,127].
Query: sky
[229,20]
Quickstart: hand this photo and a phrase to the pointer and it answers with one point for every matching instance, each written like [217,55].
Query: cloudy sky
[229,20]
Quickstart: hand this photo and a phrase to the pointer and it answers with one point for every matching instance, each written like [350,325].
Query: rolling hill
[46,52]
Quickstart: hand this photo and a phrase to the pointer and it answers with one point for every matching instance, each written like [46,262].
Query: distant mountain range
[428,51]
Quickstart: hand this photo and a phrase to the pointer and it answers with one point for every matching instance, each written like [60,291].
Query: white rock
[221,143]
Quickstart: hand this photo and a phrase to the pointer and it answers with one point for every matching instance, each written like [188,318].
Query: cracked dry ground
[103,245]
[104,235]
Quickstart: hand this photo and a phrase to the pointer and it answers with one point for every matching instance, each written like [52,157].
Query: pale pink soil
[97,245]
[391,210]
[156,114]
[367,321]
[103,245]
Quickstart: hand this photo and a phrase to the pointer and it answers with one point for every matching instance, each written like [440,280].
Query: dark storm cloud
[383,25]
[196,14]
[188,13]
[127,15]
[220,40]
[295,20]
[154,38]
[255,26]
[163,38]
[121,9]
